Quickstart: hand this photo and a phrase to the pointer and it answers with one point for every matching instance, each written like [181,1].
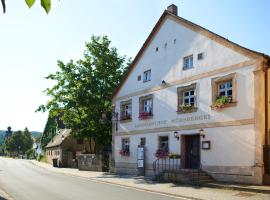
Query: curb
[237,188]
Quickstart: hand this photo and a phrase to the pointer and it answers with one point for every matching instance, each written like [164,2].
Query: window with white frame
[164,143]
[189,97]
[126,110]
[146,106]
[225,89]
[147,76]
[188,62]
[125,144]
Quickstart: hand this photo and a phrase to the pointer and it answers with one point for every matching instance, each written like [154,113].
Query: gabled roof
[197,28]
[59,138]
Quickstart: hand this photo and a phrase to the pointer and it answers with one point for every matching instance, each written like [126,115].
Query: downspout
[266,68]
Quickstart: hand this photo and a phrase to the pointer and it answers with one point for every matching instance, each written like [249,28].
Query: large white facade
[235,153]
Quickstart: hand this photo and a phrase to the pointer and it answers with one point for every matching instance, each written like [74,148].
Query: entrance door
[192,151]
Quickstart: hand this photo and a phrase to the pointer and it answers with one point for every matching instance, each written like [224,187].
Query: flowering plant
[221,101]
[160,153]
[125,117]
[124,152]
[145,115]
[185,107]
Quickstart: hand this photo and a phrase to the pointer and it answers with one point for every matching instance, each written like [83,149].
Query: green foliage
[42,158]
[46,4]
[30,153]
[49,130]
[84,88]
[221,101]
[19,142]
[186,107]
[30,3]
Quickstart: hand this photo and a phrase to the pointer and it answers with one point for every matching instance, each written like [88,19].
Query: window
[126,110]
[139,77]
[147,76]
[125,144]
[165,45]
[146,107]
[188,62]
[143,141]
[200,56]
[174,41]
[164,143]
[225,89]
[187,99]
[156,49]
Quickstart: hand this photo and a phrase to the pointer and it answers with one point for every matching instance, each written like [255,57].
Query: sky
[31,41]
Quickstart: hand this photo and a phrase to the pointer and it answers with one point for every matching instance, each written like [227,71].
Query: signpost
[141,160]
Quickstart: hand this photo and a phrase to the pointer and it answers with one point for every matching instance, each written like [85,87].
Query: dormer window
[188,62]
[147,76]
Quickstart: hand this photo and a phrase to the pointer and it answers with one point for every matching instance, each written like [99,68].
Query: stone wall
[89,162]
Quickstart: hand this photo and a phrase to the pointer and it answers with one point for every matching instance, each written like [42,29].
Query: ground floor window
[125,147]
[164,143]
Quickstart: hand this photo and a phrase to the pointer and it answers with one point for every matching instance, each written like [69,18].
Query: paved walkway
[184,191]
[4,195]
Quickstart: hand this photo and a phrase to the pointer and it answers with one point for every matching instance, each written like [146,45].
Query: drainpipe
[266,68]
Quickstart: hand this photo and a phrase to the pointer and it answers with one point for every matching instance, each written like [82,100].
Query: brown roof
[194,27]
[59,138]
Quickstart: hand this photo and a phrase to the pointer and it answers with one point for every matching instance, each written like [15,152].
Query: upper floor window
[188,62]
[146,107]
[200,56]
[147,75]
[224,91]
[187,99]
[126,110]
[225,88]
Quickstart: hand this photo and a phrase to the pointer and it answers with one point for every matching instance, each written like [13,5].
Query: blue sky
[31,41]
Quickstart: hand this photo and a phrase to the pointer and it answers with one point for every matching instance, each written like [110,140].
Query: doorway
[190,150]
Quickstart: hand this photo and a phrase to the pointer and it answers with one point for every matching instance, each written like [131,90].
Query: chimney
[172,9]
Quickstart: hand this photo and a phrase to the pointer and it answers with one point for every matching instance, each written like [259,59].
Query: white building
[194,93]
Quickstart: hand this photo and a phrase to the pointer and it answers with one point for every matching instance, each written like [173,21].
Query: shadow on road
[2,198]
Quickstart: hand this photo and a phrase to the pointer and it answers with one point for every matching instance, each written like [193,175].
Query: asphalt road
[25,181]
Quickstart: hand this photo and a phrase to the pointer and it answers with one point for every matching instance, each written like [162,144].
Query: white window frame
[188,97]
[147,75]
[226,88]
[148,105]
[188,62]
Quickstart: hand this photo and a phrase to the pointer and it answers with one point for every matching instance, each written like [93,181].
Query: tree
[83,91]
[46,4]
[49,130]
[19,142]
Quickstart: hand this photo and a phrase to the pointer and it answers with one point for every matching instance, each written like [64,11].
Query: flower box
[222,102]
[145,115]
[161,153]
[185,108]
[124,152]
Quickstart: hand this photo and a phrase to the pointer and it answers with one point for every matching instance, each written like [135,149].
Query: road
[25,181]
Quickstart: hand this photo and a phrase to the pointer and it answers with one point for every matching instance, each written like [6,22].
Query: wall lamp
[163,82]
[176,135]
[201,132]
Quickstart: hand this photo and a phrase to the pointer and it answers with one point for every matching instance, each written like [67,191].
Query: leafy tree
[83,91]
[46,4]
[19,142]
[49,130]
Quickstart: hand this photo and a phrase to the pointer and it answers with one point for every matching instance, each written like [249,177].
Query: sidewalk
[185,191]
[4,195]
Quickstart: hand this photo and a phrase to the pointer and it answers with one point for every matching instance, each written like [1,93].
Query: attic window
[156,49]
[200,56]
